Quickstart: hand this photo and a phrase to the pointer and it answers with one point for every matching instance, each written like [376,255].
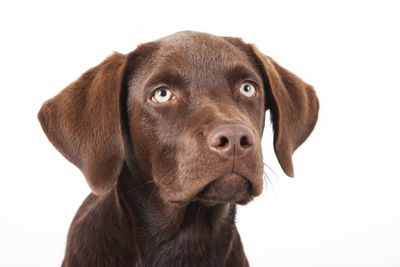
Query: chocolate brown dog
[169,140]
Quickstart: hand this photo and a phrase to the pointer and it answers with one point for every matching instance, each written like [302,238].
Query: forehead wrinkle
[200,58]
[241,72]
[165,76]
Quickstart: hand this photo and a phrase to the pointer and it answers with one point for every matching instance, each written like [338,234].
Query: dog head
[190,108]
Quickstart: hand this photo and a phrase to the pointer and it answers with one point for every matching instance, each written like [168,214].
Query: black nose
[228,140]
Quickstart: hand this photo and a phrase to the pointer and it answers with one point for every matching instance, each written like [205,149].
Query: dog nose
[228,140]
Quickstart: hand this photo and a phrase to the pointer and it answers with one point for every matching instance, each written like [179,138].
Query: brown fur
[161,196]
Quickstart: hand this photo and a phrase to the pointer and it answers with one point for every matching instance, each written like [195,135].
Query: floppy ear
[294,108]
[83,122]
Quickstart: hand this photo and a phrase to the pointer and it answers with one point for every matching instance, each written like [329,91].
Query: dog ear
[294,108]
[84,122]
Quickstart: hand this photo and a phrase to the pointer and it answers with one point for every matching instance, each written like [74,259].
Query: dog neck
[189,232]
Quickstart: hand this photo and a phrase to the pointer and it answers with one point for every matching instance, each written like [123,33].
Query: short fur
[162,196]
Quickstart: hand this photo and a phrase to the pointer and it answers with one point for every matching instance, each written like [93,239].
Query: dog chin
[228,188]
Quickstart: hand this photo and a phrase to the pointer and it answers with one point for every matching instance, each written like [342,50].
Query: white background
[342,209]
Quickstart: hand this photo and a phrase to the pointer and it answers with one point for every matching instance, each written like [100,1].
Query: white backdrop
[342,209]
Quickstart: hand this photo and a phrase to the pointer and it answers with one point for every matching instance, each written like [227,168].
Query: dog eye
[247,89]
[161,95]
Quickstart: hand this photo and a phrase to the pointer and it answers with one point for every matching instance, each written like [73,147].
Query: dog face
[193,125]
[194,105]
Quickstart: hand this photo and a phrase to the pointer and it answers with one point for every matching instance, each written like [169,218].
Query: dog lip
[233,182]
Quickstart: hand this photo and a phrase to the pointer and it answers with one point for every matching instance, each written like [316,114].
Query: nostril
[244,142]
[230,140]
[223,141]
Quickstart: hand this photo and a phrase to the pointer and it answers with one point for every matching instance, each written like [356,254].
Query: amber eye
[161,95]
[247,89]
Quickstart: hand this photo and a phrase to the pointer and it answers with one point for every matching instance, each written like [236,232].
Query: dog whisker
[148,182]
[267,179]
[273,172]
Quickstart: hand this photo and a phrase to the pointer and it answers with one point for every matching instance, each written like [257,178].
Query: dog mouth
[228,188]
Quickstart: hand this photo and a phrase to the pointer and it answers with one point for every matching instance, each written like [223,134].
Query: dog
[168,138]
